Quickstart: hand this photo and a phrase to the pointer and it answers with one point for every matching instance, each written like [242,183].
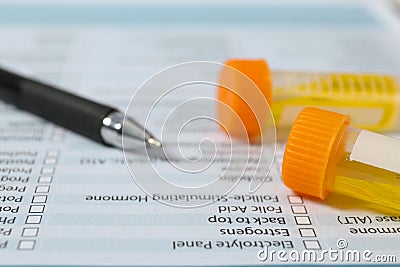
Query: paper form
[65,200]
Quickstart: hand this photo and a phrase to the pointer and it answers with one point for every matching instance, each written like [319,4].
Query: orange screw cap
[240,95]
[310,158]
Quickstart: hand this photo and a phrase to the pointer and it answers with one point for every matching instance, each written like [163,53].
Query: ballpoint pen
[97,122]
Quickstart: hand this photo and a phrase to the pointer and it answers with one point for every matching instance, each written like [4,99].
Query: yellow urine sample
[367,183]
[372,100]
[324,155]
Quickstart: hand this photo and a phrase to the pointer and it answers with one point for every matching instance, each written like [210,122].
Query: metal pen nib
[154,142]
[114,128]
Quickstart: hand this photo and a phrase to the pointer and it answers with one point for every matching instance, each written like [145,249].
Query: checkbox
[295,200]
[45,179]
[36,209]
[33,219]
[30,232]
[307,232]
[299,209]
[50,161]
[59,130]
[26,244]
[312,244]
[302,220]
[39,199]
[57,138]
[47,170]
[42,189]
[52,153]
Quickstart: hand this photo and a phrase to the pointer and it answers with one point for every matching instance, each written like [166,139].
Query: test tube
[325,154]
[372,100]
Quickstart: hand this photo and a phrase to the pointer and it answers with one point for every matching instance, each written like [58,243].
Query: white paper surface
[68,201]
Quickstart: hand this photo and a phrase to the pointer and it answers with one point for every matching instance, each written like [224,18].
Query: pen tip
[154,142]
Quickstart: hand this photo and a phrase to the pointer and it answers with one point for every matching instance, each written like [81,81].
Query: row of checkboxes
[37,207]
[298,207]
[31,232]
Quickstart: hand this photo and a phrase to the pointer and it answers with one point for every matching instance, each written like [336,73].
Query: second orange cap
[241,95]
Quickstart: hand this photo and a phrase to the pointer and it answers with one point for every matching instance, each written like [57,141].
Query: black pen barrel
[65,109]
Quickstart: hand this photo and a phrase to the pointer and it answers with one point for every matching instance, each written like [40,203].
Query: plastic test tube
[372,100]
[325,154]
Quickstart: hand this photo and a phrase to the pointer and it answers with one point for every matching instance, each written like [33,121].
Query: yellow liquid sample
[362,96]
[367,183]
